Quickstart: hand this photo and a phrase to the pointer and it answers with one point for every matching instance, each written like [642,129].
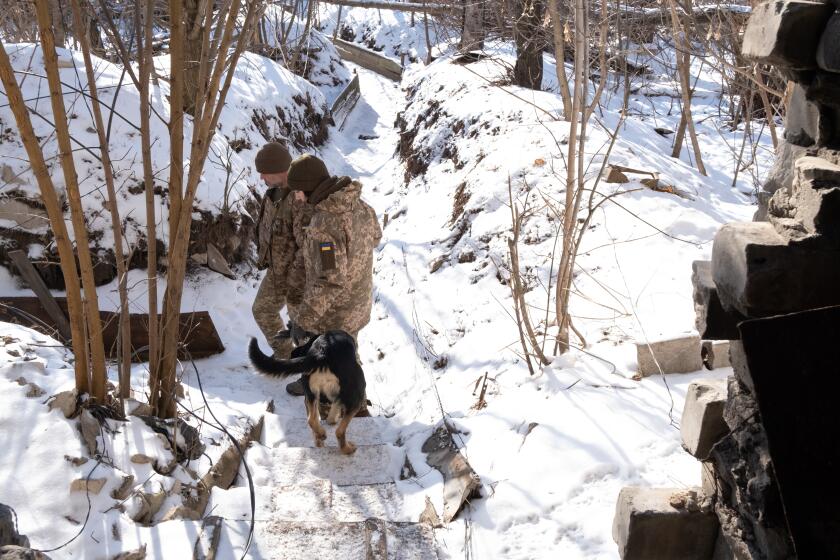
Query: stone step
[293,431]
[319,501]
[372,539]
[370,464]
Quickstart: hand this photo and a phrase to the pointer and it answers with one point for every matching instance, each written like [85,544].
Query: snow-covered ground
[553,449]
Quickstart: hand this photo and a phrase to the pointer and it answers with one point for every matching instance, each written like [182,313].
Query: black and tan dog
[331,369]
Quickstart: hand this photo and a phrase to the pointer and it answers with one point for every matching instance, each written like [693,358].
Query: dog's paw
[348,448]
[320,439]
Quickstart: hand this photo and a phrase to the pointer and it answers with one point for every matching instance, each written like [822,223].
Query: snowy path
[317,500]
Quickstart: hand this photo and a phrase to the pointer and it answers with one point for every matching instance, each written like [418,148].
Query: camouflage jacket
[275,244]
[331,282]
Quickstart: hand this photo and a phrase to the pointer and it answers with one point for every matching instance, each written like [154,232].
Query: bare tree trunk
[683,54]
[528,70]
[145,69]
[209,109]
[57,21]
[56,217]
[566,266]
[768,108]
[193,12]
[94,323]
[560,56]
[472,37]
[426,33]
[295,64]
[116,223]
[337,23]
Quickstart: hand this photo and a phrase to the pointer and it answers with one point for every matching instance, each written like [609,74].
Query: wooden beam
[37,285]
[369,59]
[431,9]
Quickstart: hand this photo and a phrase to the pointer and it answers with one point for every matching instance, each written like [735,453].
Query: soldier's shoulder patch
[327,251]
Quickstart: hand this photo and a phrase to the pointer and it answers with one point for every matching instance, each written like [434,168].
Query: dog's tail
[280,368]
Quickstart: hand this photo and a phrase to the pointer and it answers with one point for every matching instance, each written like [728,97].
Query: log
[431,9]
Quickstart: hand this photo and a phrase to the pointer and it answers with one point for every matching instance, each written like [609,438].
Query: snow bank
[265,103]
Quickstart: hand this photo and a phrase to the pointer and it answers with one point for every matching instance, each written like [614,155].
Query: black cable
[87,516]
[241,456]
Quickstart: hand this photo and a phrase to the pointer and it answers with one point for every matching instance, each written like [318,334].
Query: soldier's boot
[295,388]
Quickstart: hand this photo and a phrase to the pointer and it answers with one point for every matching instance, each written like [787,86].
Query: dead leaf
[539,162]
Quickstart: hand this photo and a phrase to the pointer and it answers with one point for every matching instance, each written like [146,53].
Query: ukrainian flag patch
[327,250]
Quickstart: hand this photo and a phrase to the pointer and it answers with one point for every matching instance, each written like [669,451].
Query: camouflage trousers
[266,309]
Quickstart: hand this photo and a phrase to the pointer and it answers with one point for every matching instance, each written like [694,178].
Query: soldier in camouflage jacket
[331,278]
[275,245]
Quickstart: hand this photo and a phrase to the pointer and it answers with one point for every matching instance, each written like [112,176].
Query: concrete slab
[679,354]
[373,539]
[285,431]
[664,524]
[319,501]
[702,423]
[759,274]
[786,32]
[300,465]
[713,322]
[383,501]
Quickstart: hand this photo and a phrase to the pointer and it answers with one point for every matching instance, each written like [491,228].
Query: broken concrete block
[815,196]
[802,120]
[715,354]
[817,172]
[679,354]
[664,524]
[702,422]
[708,482]
[94,485]
[217,263]
[758,273]
[781,173]
[460,482]
[738,359]
[66,402]
[786,32]
[8,526]
[14,552]
[828,49]
[712,321]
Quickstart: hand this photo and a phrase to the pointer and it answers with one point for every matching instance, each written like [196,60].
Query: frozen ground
[552,450]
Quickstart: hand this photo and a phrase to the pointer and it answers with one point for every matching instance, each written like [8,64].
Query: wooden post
[37,285]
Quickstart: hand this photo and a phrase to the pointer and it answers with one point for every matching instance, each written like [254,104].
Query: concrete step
[370,464]
[319,501]
[372,539]
[293,431]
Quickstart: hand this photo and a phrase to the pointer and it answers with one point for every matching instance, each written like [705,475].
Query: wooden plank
[199,338]
[369,59]
[342,97]
[37,285]
[345,102]
[207,544]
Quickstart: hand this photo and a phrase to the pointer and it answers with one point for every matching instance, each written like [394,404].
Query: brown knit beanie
[273,158]
[306,173]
